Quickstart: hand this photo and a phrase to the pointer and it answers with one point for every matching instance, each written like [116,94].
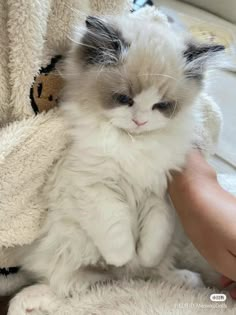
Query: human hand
[207,212]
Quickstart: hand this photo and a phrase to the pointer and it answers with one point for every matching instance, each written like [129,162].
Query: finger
[225,282]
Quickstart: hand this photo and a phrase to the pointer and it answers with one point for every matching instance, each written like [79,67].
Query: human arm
[207,212]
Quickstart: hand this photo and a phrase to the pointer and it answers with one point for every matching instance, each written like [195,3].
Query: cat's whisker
[131,137]
[78,12]
[81,30]
[119,91]
[80,43]
[100,71]
[106,53]
[158,74]
[61,74]
[174,110]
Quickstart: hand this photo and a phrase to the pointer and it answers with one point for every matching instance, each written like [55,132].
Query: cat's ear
[198,57]
[102,43]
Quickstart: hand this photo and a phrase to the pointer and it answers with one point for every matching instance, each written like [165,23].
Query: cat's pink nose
[139,123]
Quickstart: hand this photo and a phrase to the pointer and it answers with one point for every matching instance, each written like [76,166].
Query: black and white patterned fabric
[7,271]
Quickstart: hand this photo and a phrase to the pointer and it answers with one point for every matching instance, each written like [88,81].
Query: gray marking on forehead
[102,44]
[136,86]
[112,82]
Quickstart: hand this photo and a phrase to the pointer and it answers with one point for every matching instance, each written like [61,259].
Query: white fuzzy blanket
[31,33]
[144,298]
[133,298]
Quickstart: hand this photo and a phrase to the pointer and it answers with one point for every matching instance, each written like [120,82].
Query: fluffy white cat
[130,106]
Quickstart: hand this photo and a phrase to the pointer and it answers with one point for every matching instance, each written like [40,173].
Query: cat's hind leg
[36,298]
[180,277]
[186,278]
[41,298]
[79,282]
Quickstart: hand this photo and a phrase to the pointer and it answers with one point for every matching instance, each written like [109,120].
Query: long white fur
[109,216]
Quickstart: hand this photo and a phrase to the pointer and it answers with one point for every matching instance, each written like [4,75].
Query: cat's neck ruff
[166,148]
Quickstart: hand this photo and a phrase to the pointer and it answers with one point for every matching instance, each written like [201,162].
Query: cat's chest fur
[140,162]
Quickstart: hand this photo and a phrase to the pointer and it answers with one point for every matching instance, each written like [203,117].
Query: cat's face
[137,73]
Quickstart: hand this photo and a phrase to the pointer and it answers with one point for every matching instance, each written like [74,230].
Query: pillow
[225,8]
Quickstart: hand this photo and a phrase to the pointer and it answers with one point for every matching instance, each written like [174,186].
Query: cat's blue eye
[162,106]
[123,99]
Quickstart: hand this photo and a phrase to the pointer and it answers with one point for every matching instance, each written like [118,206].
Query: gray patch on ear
[102,44]
[197,58]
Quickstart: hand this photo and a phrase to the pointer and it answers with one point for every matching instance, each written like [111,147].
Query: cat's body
[92,192]
[130,108]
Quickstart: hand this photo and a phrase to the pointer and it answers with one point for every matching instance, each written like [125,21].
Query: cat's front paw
[186,278]
[120,250]
[34,299]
